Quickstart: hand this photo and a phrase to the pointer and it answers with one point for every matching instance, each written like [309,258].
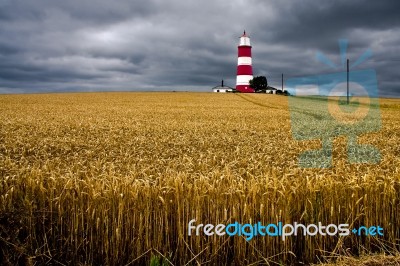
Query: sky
[157,45]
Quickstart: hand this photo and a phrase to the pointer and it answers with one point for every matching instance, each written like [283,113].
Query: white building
[222,89]
[270,91]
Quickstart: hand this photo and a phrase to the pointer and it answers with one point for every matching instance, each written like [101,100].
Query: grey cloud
[90,45]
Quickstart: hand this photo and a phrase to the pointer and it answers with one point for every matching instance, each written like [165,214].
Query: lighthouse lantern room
[244,66]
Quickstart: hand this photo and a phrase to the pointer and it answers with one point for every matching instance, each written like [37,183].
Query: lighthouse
[244,66]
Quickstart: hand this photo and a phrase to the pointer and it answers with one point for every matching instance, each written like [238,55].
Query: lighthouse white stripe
[244,60]
[244,41]
[243,79]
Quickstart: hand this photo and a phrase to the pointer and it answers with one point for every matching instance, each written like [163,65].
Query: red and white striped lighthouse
[244,68]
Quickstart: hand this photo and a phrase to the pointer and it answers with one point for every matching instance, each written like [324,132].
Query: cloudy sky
[103,45]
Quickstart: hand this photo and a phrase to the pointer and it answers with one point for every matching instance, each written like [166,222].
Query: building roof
[222,88]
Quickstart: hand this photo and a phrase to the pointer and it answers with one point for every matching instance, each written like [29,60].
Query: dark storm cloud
[94,45]
[303,29]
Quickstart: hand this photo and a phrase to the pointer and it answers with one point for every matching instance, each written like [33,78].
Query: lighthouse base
[244,88]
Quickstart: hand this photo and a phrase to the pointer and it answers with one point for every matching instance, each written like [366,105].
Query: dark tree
[259,84]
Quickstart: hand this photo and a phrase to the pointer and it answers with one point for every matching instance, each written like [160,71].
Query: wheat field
[114,179]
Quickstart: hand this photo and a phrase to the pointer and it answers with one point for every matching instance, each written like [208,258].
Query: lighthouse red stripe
[244,51]
[244,70]
[244,88]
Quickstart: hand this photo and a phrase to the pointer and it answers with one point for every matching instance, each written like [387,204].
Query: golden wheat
[114,178]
